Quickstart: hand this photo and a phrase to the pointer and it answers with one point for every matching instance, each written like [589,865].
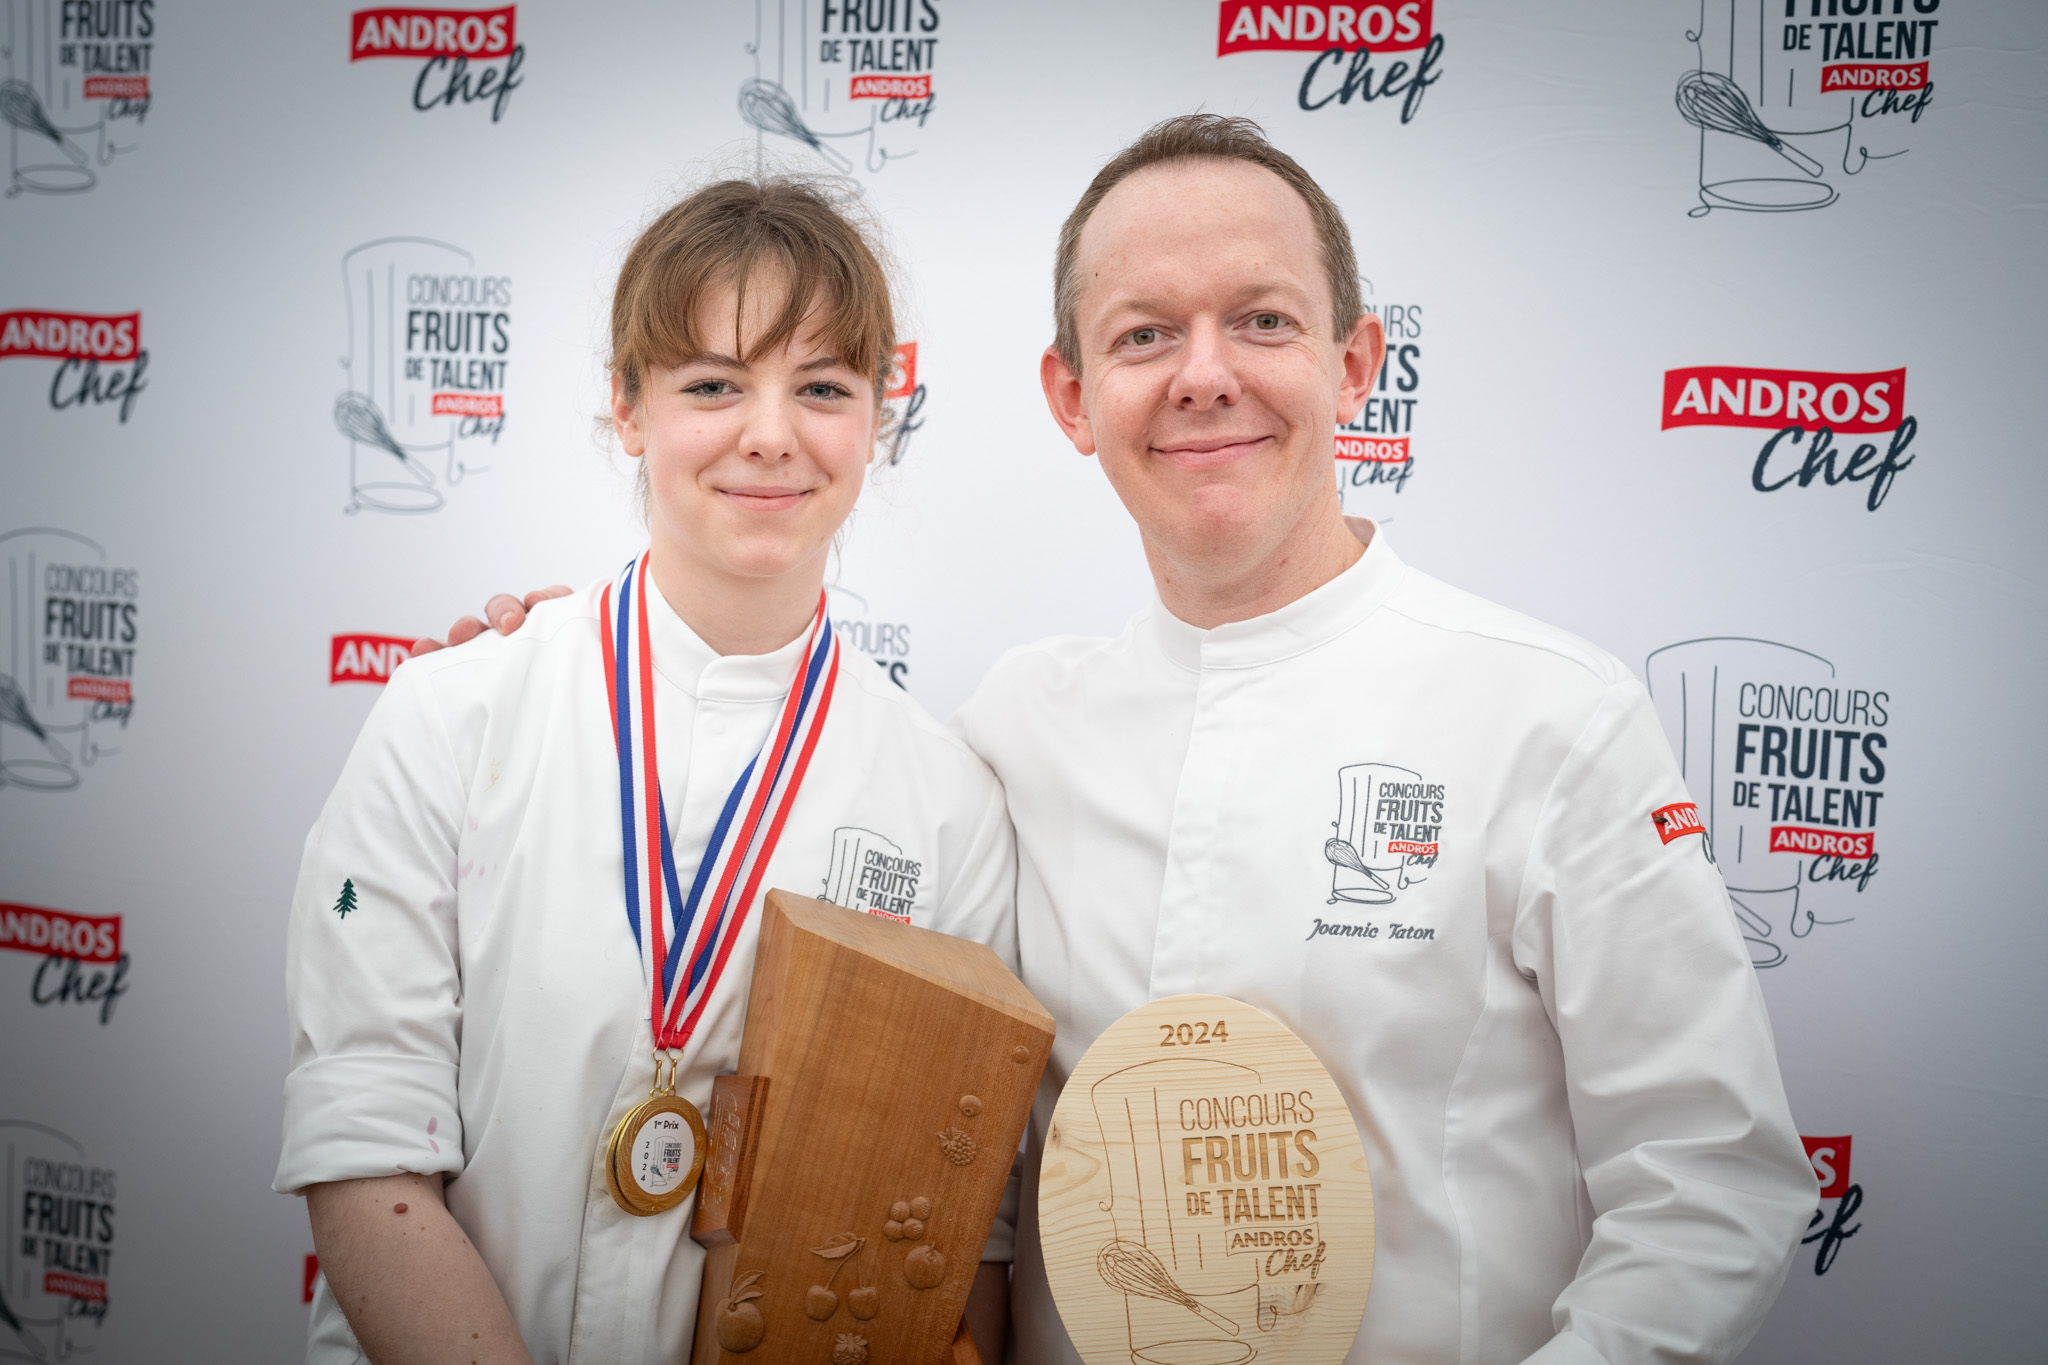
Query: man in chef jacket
[1446,844]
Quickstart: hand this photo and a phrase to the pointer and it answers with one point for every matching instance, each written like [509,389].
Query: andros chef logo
[1805,411]
[1350,43]
[57,1263]
[1375,450]
[72,624]
[467,56]
[75,89]
[1793,103]
[100,359]
[1837,1219]
[83,962]
[1788,764]
[850,82]
[423,393]
[1387,837]
[366,658]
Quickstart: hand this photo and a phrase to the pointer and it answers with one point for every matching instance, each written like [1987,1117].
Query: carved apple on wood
[740,1326]
[924,1267]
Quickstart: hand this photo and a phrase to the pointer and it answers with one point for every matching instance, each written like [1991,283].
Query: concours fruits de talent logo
[1794,100]
[1790,766]
[74,90]
[854,81]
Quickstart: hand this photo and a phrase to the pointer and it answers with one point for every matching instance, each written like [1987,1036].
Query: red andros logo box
[51,335]
[485,34]
[1381,25]
[1744,396]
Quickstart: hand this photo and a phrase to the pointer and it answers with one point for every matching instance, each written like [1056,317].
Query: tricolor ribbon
[699,930]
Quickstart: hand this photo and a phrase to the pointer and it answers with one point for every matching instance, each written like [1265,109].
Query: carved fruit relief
[924,1267]
[958,1147]
[849,1348]
[970,1105]
[740,1325]
[864,1302]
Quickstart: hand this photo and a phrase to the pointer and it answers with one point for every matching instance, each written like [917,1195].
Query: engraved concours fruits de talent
[1204,1197]
[656,1153]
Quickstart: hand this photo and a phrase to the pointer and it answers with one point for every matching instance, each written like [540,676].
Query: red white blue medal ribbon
[686,941]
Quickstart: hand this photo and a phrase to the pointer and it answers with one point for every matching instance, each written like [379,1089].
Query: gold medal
[657,1152]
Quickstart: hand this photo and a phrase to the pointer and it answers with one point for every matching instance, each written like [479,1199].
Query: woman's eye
[823,389]
[709,388]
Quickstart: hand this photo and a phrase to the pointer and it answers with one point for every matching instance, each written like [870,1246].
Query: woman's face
[751,467]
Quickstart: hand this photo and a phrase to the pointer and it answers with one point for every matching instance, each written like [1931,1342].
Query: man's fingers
[540,595]
[504,613]
[426,644]
[468,628]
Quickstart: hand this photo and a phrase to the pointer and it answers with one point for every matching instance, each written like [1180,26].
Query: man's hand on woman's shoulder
[505,613]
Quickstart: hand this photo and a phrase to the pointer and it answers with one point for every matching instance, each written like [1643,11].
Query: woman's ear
[626,420]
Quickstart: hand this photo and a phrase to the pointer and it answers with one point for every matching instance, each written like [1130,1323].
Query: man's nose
[1206,378]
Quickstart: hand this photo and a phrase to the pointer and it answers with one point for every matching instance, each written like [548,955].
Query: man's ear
[626,421]
[1063,396]
[1364,352]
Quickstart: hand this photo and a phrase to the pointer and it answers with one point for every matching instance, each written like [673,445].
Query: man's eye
[1144,336]
[1268,322]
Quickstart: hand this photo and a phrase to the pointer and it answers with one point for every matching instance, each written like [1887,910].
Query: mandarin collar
[1309,621]
[682,657]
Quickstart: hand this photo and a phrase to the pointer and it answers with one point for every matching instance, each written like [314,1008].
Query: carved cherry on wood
[839,1001]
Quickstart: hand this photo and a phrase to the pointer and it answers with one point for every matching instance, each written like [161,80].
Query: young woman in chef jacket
[472,956]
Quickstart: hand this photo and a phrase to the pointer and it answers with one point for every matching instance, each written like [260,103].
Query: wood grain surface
[888,1073]
[1204,1197]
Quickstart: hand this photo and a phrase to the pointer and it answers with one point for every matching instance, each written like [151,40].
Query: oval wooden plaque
[1204,1197]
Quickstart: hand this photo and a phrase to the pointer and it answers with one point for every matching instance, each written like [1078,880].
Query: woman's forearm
[407,1277]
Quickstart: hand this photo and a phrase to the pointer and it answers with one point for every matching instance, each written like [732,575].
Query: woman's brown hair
[729,233]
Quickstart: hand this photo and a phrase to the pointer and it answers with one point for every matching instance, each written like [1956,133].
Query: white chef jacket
[1547,1031]
[482,1010]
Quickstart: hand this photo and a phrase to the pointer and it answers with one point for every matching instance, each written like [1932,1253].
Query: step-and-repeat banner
[1713,336]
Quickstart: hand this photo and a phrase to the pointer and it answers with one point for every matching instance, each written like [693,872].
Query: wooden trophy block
[1204,1198]
[857,1161]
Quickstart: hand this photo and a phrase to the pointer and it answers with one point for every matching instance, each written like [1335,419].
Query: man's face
[1210,385]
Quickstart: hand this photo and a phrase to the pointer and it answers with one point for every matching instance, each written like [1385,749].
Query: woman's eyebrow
[823,362]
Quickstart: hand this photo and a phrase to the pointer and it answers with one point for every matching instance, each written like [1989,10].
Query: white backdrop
[190,526]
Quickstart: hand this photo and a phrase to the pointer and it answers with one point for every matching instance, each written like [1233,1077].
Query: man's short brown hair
[796,230]
[1205,135]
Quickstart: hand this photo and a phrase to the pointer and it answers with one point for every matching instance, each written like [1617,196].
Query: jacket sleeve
[1698,1182]
[373,985]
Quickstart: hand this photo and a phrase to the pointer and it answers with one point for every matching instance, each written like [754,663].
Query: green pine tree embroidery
[348,898]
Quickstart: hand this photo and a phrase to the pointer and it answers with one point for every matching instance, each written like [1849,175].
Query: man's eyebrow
[1242,296]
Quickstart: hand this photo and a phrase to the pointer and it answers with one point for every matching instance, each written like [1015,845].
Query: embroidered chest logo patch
[870,872]
[1388,833]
